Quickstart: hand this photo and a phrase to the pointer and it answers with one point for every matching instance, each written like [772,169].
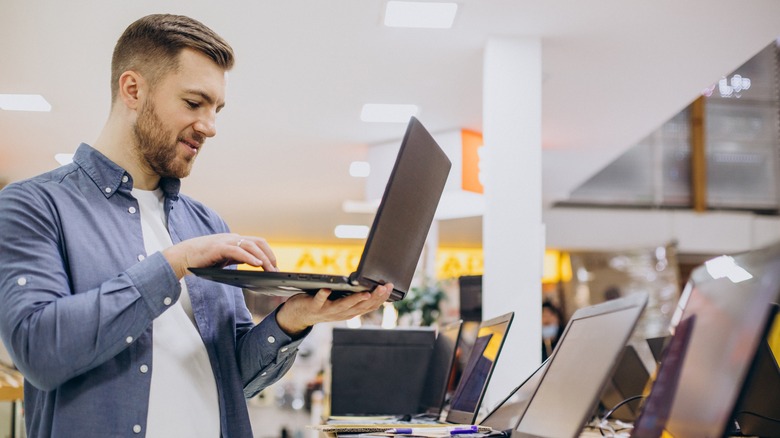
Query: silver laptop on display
[582,362]
[396,238]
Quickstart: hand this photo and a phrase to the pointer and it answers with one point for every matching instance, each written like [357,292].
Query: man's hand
[302,311]
[220,250]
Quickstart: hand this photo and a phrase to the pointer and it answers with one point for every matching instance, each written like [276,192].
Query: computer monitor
[724,312]
[470,297]
[369,365]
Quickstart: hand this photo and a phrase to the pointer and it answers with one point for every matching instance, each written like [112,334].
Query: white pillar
[513,234]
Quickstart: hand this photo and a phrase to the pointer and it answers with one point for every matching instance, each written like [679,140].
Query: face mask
[549,331]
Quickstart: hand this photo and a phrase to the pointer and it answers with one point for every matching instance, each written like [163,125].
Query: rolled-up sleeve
[266,353]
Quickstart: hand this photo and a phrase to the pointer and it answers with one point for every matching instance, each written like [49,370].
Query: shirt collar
[109,177]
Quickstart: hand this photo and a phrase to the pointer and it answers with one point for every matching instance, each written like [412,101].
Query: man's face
[178,114]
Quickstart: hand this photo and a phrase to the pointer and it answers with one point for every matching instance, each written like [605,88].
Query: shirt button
[21,281]
[284,349]
[108,189]
[129,339]
[131,210]
[137,428]
[125,178]
[141,257]
[167,301]
[144,368]
[271,339]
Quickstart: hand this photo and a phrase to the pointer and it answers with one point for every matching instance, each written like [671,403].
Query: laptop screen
[479,367]
[438,376]
[583,360]
[730,300]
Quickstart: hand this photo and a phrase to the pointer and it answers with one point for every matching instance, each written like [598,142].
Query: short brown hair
[151,46]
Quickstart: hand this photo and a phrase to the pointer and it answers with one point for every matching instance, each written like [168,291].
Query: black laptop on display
[468,395]
[440,369]
[396,238]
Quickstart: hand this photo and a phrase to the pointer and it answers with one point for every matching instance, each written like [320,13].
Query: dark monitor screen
[729,298]
[758,413]
[470,297]
[479,367]
[439,368]
[628,381]
[468,333]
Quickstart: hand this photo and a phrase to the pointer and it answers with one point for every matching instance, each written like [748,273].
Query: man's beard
[154,147]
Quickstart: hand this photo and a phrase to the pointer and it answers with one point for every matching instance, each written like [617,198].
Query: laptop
[404,357]
[396,238]
[628,381]
[468,394]
[724,314]
[758,412]
[440,369]
[473,384]
[584,358]
[506,414]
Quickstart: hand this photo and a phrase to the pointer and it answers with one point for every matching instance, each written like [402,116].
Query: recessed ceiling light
[388,113]
[431,15]
[24,102]
[351,231]
[359,169]
[368,207]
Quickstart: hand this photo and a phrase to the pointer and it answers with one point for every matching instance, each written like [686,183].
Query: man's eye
[192,104]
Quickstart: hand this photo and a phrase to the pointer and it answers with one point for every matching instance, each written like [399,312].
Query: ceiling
[613,71]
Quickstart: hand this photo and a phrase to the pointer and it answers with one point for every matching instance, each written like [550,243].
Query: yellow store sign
[450,262]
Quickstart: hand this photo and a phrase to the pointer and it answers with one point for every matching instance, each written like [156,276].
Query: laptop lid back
[725,310]
[479,368]
[439,368]
[583,360]
[405,214]
[506,415]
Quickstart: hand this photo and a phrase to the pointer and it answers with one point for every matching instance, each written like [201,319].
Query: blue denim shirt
[78,295]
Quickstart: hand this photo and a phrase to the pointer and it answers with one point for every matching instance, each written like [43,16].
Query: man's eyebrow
[205,96]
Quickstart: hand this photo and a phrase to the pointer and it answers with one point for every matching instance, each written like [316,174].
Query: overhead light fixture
[24,102]
[368,207]
[359,169]
[725,266]
[351,231]
[430,15]
[388,113]
[729,87]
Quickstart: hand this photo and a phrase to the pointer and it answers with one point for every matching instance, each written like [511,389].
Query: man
[96,307]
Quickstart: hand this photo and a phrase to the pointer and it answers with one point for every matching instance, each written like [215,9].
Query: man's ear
[131,88]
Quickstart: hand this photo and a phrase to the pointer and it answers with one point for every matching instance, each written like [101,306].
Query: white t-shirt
[183,397]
